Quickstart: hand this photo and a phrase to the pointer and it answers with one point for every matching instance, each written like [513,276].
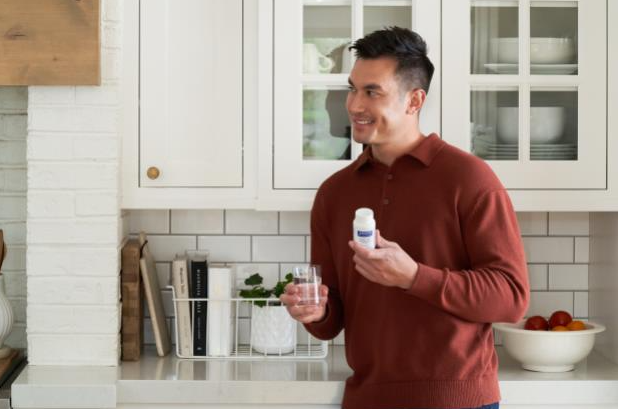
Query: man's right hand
[304,313]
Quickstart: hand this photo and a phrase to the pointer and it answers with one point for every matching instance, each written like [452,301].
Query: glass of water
[307,279]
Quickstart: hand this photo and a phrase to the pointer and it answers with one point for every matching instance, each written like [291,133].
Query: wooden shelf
[50,42]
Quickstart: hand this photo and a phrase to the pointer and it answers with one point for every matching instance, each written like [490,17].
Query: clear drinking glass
[308,278]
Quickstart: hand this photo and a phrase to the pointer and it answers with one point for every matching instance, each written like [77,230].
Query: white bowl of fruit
[553,345]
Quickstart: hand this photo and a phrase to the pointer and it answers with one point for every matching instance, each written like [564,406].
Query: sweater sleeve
[495,288]
[321,254]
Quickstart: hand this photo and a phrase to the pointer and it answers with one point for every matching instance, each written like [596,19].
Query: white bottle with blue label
[364,228]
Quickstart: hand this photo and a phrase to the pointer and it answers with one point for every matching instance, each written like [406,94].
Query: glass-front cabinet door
[525,88]
[312,136]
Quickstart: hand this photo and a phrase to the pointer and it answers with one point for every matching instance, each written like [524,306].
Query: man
[417,310]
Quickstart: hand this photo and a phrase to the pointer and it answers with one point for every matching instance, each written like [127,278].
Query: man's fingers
[364,272]
[367,264]
[306,313]
[289,299]
[358,249]
[365,253]
[382,242]
[360,263]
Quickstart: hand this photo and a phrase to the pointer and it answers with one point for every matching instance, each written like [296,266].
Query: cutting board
[3,250]
[8,364]
[153,297]
[132,332]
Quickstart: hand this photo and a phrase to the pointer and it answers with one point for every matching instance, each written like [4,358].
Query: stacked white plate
[538,151]
[539,69]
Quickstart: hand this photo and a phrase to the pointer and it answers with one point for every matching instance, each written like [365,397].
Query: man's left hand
[388,264]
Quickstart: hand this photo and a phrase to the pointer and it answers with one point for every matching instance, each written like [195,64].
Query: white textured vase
[6,319]
[273,331]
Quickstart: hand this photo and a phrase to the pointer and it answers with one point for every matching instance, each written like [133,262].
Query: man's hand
[388,264]
[304,313]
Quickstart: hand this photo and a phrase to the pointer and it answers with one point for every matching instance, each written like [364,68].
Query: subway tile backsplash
[271,243]
[197,222]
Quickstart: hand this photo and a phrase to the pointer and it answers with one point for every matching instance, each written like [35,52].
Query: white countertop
[171,380]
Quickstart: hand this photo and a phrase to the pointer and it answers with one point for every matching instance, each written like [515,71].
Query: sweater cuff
[428,284]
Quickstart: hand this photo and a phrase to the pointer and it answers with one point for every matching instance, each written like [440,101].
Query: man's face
[378,108]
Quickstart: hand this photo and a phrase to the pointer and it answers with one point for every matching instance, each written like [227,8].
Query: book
[219,310]
[3,250]
[132,316]
[154,299]
[180,282]
[9,364]
[199,289]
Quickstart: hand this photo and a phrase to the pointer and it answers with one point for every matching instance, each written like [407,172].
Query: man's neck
[388,153]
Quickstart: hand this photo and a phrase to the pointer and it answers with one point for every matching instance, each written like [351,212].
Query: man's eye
[351,88]
[372,93]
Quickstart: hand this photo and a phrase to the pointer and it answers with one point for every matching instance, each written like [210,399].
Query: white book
[220,312]
[180,281]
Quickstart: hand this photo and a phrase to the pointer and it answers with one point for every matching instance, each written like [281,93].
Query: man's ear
[417,99]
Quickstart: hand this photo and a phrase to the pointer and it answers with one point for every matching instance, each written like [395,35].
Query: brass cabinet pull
[153,172]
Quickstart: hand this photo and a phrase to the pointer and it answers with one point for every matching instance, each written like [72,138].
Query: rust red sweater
[430,346]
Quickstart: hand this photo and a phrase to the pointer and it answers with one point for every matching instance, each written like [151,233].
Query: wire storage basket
[240,328]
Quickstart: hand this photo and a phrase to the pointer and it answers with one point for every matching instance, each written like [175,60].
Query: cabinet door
[191,93]
[525,89]
[311,135]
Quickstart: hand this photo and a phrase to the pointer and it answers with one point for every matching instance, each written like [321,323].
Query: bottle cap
[364,213]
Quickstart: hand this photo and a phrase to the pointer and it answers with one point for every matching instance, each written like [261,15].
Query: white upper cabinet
[304,128]
[191,92]
[527,85]
[524,85]
[185,121]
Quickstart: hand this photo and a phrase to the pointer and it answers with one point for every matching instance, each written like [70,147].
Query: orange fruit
[576,325]
[559,328]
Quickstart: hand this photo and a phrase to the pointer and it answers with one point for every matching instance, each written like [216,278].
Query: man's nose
[355,104]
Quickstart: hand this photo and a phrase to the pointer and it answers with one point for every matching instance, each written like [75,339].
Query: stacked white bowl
[543,50]
[546,124]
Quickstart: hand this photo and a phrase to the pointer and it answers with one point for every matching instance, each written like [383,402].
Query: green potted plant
[273,331]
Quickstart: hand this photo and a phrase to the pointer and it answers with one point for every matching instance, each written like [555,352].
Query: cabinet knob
[153,172]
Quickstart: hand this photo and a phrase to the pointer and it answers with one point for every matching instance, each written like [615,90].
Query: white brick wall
[13,119]
[74,222]
[271,243]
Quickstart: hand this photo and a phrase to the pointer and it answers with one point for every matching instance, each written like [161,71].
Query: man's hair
[407,47]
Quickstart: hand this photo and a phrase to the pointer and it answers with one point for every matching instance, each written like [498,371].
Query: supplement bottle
[364,227]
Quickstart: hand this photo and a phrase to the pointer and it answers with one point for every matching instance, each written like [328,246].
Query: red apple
[536,323]
[560,318]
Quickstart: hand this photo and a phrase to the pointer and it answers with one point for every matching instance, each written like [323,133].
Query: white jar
[364,228]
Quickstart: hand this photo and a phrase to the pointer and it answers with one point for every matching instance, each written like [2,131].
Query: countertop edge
[594,382]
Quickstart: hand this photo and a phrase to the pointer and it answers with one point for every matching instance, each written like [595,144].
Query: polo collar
[424,152]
